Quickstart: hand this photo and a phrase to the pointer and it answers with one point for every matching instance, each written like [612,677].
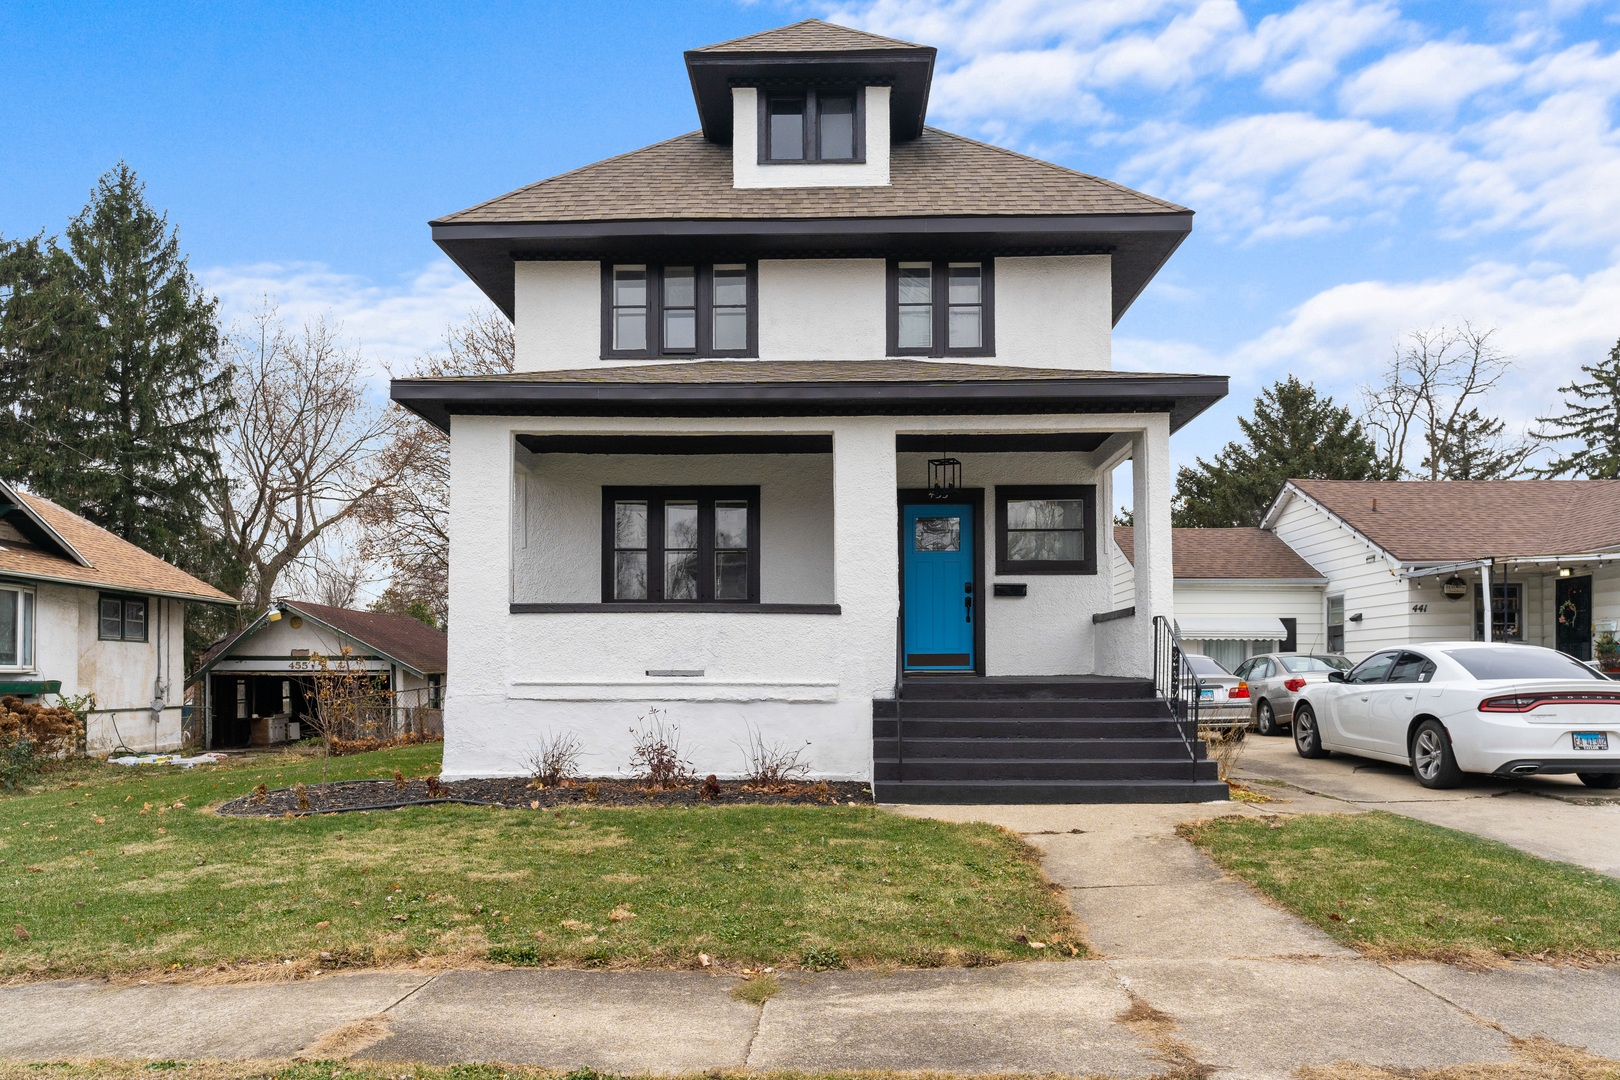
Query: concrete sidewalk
[1228,982]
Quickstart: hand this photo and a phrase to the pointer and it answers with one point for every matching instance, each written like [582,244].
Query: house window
[942,307]
[680,545]
[1507,602]
[706,309]
[123,618]
[16,627]
[1050,529]
[799,127]
[1335,624]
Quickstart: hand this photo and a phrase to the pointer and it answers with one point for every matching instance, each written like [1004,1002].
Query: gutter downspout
[1485,589]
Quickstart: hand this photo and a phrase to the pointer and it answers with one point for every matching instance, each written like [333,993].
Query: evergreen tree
[1591,420]
[1294,434]
[1475,447]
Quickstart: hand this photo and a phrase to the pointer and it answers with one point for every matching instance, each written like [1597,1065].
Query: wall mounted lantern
[944,478]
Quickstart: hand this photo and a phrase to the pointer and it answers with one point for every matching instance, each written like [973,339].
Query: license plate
[1590,740]
[1206,695]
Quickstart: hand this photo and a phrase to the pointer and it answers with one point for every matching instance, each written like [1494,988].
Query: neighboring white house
[1412,561]
[84,612]
[1238,592]
[812,407]
[258,682]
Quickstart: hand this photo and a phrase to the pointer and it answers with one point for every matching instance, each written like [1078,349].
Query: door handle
[967,602]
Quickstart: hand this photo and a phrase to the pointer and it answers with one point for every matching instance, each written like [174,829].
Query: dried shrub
[556,759]
[435,787]
[1226,744]
[655,756]
[399,780]
[54,730]
[303,795]
[771,765]
[711,787]
[343,747]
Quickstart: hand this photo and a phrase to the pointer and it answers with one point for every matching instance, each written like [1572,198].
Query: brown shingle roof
[1226,554]
[811,35]
[690,178]
[410,641]
[1455,520]
[114,563]
[797,371]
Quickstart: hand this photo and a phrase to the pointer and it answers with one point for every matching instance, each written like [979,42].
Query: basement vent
[675,673]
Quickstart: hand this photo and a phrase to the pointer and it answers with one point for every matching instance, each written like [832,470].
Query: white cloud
[1435,77]
[392,323]
[1301,49]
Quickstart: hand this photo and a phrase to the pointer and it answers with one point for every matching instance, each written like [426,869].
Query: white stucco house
[84,612]
[256,684]
[813,412]
[1238,592]
[1408,561]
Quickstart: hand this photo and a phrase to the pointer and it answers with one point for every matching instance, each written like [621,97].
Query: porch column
[866,562]
[1151,488]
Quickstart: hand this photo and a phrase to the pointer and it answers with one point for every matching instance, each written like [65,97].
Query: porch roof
[808,388]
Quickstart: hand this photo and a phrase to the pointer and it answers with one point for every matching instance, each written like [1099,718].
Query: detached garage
[257,687]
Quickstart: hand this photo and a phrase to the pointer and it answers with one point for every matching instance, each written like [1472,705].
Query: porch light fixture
[944,478]
[1563,571]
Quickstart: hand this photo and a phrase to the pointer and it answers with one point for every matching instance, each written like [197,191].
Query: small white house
[1238,592]
[256,687]
[1413,561]
[84,612]
[812,413]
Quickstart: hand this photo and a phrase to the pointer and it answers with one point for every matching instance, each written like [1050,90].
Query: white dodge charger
[1454,707]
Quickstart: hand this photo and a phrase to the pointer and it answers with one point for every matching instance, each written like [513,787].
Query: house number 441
[1420,607]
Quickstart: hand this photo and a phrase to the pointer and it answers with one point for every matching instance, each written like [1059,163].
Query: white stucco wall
[821,309]
[558,309]
[557,557]
[515,678]
[1125,646]
[747,172]
[1055,311]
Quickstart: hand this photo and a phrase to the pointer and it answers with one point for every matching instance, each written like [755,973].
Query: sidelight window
[680,545]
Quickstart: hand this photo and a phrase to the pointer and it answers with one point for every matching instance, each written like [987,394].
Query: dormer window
[811,125]
[679,310]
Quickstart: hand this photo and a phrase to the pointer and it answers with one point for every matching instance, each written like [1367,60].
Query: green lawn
[101,872]
[1399,888]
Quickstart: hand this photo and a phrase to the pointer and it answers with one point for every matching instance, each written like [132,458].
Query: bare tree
[1430,395]
[307,451]
[407,528]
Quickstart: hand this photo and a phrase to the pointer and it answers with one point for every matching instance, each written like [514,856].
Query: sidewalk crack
[407,995]
[759,1022]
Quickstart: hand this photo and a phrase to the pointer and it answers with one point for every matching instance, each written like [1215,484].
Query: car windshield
[1299,665]
[1204,665]
[1528,662]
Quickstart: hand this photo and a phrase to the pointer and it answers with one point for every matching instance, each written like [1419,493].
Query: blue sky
[1360,168]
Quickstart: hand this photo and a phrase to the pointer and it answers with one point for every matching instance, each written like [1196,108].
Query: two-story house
[812,421]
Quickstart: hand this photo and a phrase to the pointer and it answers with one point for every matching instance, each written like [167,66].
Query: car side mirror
[1335,676]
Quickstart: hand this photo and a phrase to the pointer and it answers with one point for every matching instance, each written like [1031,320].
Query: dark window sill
[739,609]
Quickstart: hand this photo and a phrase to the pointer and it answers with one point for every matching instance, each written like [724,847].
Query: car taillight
[1240,690]
[1525,702]
[1295,685]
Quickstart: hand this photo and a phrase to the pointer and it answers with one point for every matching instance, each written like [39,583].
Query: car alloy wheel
[1432,760]
[1265,721]
[1307,740]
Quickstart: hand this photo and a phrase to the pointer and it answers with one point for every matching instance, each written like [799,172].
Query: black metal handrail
[1175,681]
[899,680]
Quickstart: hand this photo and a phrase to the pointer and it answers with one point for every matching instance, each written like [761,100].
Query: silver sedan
[1276,681]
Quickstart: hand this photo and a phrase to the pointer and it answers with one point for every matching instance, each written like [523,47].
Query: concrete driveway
[1556,817]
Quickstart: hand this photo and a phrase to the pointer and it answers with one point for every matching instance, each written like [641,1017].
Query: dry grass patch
[1533,1059]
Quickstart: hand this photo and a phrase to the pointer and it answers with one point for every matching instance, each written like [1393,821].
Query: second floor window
[697,309]
[798,126]
[941,307]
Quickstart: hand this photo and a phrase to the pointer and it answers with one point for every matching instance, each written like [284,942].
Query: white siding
[1272,600]
[1355,568]
[1124,574]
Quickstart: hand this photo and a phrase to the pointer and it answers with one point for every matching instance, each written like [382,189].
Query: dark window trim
[941,299]
[812,121]
[735,607]
[1087,564]
[124,600]
[655,498]
[1509,588]
[975,498]
[705,312]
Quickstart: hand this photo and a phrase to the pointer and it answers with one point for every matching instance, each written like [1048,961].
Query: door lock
[967,601]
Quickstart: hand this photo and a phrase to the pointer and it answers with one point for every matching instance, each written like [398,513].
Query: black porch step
[1101,749]
[1018,688]
[975,792]
[1050,728]
[980,708]
[1057,770]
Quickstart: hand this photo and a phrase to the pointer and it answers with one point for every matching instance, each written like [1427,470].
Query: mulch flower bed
[518,793]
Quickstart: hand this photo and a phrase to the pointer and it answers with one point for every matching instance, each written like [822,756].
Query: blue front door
[940,606]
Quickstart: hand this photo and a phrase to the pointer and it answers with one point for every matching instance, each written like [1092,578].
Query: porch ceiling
[809,388]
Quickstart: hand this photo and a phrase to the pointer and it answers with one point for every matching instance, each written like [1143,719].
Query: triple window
[699,309]
[680,545]
[123,618]
[941,308]
[16,627]
[1046,529]
[803,126]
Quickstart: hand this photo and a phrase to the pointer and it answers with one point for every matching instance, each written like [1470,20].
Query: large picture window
[798,127]
[1049,529]
[680,545]
[123,618]
[16,627]
[941,307]
[674,310]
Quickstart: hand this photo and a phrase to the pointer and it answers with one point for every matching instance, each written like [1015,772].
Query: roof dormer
[812,104]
